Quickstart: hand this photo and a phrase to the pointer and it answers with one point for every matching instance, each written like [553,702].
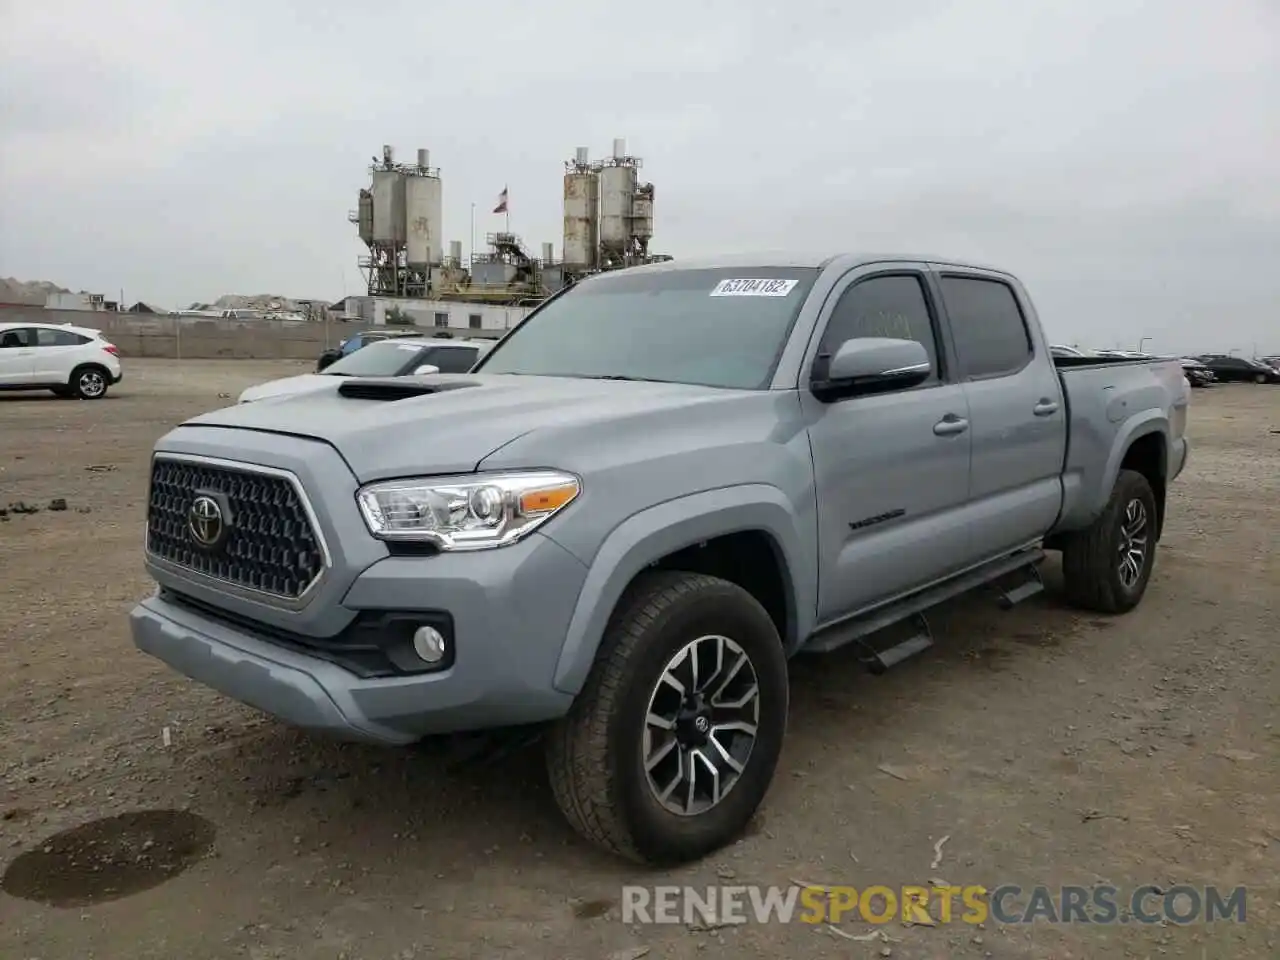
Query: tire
[1091,558]
[1260,378]
[596,754]
[89,382]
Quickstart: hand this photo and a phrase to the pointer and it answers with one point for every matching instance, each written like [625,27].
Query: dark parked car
[356,341]
[1197,374]
[1239,369]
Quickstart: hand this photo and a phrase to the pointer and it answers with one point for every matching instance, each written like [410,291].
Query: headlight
[473,512]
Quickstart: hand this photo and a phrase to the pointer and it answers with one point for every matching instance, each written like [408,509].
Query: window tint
[893,306]
[987,325]
[21,337]
[58,338]
[453,359]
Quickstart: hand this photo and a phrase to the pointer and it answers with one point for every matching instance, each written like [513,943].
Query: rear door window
[59,338]
[987,325]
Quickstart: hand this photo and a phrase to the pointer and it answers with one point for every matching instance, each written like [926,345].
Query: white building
[75,301]
[477,319]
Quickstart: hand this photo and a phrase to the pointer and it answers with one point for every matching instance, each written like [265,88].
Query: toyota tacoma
[622,524]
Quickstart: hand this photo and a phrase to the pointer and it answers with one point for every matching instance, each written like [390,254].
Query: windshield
[719,328]
[385,358]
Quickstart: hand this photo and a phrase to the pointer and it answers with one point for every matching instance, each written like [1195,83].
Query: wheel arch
[709,532]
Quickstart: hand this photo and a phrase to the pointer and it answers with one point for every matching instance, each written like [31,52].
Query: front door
[17,356]
[891,470]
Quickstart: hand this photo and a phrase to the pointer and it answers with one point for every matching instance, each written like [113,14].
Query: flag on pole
[502,202]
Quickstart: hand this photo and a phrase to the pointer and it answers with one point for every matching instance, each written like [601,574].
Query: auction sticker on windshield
[753,288]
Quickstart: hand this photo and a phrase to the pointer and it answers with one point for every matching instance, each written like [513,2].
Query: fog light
[428,643]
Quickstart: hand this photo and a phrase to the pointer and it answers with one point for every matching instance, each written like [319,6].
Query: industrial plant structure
[608,224]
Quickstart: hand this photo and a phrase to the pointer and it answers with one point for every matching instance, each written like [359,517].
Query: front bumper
[510,609]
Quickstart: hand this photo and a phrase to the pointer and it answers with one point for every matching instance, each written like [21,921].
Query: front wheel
[672,743]
[1107,566]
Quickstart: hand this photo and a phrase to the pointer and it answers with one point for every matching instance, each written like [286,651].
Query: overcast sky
[1121,156]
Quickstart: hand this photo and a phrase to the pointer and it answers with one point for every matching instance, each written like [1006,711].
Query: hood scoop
[397,388]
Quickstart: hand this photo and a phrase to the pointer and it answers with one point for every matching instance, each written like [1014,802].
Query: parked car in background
[359,341]
[69,361]
[1061,350]
[393,357]
[1272,362]
[1197,374]
[625,536]
[1239,369]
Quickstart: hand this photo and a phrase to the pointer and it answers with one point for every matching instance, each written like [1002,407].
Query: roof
[86,331]
[791,258]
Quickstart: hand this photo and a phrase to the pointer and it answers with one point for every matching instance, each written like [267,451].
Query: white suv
[70,361]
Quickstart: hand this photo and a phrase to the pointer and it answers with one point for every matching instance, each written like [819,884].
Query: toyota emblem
[205,521]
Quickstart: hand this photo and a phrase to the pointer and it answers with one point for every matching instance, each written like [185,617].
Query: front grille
[269,544]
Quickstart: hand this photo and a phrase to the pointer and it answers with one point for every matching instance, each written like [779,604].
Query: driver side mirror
[425,369]
[872,365]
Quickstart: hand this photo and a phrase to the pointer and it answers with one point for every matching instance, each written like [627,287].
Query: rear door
[17,356]
[891,469]
[1016,408]
[56,353]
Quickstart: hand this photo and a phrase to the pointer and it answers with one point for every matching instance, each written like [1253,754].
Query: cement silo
[423,193]
[364,216]
[642,214]
[618,176]
[388,206]
[581,212]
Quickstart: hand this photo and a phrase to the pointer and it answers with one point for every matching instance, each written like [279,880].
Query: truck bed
[1110,401]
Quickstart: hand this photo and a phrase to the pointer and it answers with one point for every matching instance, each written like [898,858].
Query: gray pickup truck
[621,525]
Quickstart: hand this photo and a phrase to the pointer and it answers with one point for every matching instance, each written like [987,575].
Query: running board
[1029,587]
[878,661]
[848,631]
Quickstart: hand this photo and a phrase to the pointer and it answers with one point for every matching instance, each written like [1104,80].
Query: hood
[461,420]
[287,386]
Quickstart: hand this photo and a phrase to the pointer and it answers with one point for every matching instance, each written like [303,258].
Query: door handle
[950,425]
[1045,407]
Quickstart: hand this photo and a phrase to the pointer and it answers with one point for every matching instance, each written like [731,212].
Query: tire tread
[580,764]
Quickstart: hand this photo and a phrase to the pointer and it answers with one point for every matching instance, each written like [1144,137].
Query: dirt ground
[1048,747]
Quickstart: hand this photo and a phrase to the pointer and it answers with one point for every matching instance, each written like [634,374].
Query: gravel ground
[1045,745]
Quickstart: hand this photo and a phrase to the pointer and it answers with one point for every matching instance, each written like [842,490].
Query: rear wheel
[1260,378]
[672,743]
[1107,566]
[89,382]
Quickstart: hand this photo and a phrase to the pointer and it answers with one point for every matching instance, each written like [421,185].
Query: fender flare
[1153,421]
[659,530]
